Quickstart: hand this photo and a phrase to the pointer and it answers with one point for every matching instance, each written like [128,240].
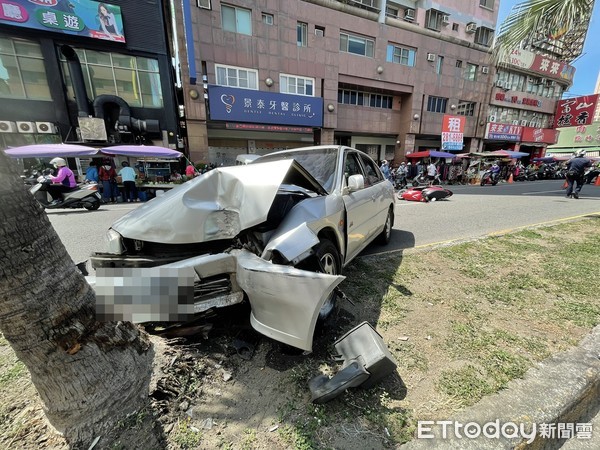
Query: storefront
[85,72]
[585,137]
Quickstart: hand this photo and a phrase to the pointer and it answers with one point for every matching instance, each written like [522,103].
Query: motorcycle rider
[495,171]
[64,181]
[575,170]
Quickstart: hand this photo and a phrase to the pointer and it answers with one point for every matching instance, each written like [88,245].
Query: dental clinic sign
[247,105]
[82,17]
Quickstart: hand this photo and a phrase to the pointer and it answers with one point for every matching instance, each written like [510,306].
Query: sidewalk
[564,389]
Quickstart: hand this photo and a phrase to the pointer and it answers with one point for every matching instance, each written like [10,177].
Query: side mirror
[356,183]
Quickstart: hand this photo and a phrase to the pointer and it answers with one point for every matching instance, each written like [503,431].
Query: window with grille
[290,84]
[358,45]
[484,36]
[437,104]
[302,34]
[237,20]
[433,19]
[359,98]
[471,72]
[401,55]
[236,77]
[465,108]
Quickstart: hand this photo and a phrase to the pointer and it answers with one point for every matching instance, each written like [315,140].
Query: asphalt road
[471,212]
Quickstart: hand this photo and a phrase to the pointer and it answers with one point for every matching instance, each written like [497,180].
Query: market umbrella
[50,151]
[141,150]
[508,154]
[431,154]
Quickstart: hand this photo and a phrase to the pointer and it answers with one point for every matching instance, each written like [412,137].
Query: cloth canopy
[431,154]
[508,154]
[73,150]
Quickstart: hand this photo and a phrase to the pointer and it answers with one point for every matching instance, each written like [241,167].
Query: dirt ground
[461,321]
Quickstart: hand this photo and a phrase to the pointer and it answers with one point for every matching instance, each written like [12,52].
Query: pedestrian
[91,174]
[107,176]
[431,172]
[64,181]
[385,169]
[190,171]
[128,176]
[575,173]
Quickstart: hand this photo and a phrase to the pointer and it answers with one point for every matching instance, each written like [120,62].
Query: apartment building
[377,75]
[528,85]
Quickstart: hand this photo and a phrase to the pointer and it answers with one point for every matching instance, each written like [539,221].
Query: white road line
[541,192]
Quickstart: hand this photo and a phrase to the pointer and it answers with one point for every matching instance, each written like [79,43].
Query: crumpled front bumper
[285,301]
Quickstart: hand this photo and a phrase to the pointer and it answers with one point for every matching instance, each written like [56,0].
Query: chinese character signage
[575,111]
[502,97]
[453,128]
[542,65]
[503,132]
[539,135]
[82,17]
[582,136]
[246,105]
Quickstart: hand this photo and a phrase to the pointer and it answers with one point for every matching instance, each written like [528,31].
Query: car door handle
[374,197]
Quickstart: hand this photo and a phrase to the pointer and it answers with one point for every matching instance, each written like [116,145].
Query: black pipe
[83,106]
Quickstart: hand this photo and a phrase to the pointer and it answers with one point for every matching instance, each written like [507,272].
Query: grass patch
[13,373]
[468,385]
[185,436]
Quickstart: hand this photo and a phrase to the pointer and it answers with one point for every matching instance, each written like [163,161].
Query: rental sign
[453,128]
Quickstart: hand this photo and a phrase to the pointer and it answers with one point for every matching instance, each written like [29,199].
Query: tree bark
[88,374]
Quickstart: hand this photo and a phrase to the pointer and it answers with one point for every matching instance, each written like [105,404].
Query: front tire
[330,263]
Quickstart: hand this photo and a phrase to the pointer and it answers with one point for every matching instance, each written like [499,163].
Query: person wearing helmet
[575,173]
[64,181]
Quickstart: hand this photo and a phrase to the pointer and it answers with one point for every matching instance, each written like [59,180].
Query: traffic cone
[510,178]
[597,183]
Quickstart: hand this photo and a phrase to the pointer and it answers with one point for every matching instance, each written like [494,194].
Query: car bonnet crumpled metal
[216,205]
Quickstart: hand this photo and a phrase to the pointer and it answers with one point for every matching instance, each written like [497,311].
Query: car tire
[330,263]
[386,234]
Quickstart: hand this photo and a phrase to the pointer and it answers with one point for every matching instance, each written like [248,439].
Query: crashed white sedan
[277,232]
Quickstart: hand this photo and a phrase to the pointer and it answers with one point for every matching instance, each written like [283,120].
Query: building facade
[86,71]
[377,75]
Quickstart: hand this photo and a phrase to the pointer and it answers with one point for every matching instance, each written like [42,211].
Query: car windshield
[319,163]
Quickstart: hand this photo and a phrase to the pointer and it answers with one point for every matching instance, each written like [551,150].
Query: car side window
[352,166]
[372,174]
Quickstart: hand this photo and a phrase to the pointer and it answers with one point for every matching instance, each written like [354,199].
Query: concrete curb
[562,389]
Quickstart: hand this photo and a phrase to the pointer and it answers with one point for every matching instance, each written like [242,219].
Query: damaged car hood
[216,205]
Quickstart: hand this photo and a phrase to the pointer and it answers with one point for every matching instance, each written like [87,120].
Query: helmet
[580,152]
[58,162]
[409,164]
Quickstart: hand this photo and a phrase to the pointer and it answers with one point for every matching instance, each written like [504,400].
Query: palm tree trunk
[88,374]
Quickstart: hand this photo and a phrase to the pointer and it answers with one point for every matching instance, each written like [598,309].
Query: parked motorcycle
[400,181]
[489,177]
[84,196]
[423,180]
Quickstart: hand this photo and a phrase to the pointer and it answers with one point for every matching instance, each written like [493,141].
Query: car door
[375,185]
[359,207]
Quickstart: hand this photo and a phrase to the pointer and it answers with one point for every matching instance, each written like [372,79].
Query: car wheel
[329,263]
[386,234]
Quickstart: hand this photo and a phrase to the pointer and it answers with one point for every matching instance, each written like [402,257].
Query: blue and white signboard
[247,105]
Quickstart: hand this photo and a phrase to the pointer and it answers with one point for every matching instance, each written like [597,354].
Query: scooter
[84,196]
[423,180]
[489,178]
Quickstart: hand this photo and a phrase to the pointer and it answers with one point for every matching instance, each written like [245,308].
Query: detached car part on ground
[277,231]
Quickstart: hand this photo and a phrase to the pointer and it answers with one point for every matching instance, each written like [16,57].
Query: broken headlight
[114,242]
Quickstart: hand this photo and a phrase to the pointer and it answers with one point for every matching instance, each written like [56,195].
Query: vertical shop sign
[453,128]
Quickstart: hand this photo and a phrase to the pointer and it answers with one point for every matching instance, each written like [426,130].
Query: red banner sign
[541,135]
[553,68]
[575,111]
[453,128]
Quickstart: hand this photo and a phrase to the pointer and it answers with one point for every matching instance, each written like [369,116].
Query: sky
[587,65]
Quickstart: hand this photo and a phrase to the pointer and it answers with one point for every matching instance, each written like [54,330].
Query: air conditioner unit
[319,32]
[7,126]
[515,122]
[485,69]
[471,27]
[430,57]
[45,127]
[446,19]
[25,127]
[409,14]
[492,118]
[523,123]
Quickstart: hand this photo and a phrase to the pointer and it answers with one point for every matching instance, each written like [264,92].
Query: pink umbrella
[50,151]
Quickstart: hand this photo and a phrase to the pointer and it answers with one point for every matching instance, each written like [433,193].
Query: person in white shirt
[431,171]
[128,177]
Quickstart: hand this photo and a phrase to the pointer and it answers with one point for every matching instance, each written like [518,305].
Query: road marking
[541,192]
